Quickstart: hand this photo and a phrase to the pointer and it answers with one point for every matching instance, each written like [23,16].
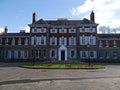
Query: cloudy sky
[17,14]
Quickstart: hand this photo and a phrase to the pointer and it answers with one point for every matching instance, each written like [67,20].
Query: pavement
[12,77]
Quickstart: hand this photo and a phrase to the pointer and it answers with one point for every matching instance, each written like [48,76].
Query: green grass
[63,66]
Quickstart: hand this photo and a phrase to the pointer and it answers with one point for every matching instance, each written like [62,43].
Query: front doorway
[62,55]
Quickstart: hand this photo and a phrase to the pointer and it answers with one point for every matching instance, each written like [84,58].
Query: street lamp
[88,46]
[34,49]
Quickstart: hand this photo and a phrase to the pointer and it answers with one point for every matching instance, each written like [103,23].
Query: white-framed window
[114,43]
[72,53]
[42,40]
[107,44]
[91,29]
[53,53]
[53,40]
[72,30]
[32,40]
[53,30]
[19,41]
[44,53]
[72,41]
[6,41]
[63,41]
[91,40]
[34,30]
[0,41]
[87,29]
[63,30]
[100,43]
[26,41]
[83,54]
[107,55]
[39,40]
[13,41]
[43,30]
[82,40]
[82,29]
[39,30]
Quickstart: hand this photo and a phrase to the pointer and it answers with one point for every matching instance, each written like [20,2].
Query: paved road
[13,77]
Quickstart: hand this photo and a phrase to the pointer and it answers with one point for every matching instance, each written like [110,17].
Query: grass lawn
[63,66]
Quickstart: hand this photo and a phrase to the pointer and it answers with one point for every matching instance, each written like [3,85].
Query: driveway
[12,77]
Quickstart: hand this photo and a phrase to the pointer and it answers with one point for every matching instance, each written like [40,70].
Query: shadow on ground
[52,79]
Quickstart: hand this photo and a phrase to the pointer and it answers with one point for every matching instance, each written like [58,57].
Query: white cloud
[105,11]
[1,30]
[27,28]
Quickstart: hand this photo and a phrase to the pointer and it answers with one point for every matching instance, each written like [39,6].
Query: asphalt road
[13,77]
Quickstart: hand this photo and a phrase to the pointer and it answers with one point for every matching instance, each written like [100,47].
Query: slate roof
[15,34]
[108,36]
[64,22]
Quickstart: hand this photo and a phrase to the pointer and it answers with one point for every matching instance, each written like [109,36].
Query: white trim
[62,48]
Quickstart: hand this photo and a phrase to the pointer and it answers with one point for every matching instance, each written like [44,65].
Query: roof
[64,22]
[108,35]
[15,34]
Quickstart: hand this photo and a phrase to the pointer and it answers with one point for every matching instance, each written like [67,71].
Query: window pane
[72,53]
[83,54]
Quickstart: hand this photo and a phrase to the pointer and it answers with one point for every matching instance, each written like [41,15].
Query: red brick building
[59,40]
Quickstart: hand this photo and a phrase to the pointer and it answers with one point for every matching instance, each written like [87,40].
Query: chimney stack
[6,29]
[92,18]
[34,17]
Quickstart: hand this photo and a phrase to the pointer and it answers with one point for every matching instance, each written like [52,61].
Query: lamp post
[34,50]
[88,46]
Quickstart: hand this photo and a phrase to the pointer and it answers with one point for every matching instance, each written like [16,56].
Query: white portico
[62,53]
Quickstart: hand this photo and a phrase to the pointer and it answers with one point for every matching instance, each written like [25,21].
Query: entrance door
[62,55]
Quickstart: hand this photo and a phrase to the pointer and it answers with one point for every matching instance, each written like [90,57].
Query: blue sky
[17,14]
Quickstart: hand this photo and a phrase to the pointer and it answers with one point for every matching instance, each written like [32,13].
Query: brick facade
[60,40]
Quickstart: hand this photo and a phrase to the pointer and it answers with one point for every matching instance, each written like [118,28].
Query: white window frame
[100,43]
[6,41]
[19,41]
[13,41]
[115,43]
[63,30]
[70,30]
[107,44]
[64,41]
[81,29]
[51,30]
[53,39]
[72,40]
